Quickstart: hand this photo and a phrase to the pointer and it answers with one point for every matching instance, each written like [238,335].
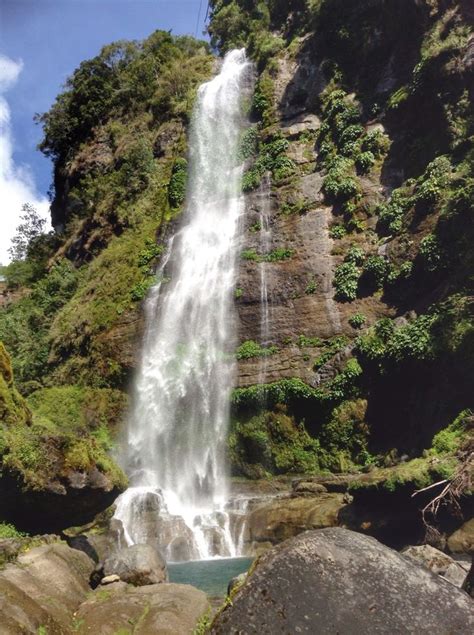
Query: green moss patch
[72,429]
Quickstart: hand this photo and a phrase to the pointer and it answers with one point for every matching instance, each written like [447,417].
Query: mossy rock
[13,408]
[56,467]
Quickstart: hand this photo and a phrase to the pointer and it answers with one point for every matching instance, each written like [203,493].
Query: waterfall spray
[175,447]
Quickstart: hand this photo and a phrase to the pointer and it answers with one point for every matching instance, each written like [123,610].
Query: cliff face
[359,188]
[359,207]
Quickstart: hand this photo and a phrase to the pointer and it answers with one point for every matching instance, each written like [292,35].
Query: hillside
[359,182]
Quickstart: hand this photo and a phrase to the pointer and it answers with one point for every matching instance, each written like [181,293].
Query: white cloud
[17,184]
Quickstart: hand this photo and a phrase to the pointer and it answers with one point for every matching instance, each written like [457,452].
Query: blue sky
[41,43]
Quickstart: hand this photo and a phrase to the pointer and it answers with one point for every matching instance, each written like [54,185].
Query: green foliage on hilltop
[157,75]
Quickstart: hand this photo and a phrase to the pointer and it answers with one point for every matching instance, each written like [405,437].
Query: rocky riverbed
[328,581]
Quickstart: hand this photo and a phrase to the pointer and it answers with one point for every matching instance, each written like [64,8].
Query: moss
[13,408]
[345,437]
[72,429]
[271,443]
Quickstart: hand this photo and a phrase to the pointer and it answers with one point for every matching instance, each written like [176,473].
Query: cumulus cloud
[17,184]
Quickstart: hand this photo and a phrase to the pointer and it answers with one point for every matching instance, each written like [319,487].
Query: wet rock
[337,581]
[308,487]
[139,565]
[462,540]
[43,589]
[282,518]
[164,608]
[439,562]
[307,122]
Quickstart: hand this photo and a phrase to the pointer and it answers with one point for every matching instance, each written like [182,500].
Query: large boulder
[163,609]
[337,581]
[43,589]
[139,565]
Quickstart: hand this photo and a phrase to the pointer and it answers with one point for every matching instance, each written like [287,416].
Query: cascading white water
[174,452]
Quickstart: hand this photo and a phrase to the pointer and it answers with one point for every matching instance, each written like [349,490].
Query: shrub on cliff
[271,443]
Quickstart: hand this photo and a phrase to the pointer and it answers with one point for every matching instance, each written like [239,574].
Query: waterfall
[175,447]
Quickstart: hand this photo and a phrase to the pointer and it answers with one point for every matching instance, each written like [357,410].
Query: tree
[31,227]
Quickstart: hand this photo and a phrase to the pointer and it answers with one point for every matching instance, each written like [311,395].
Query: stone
[139,565]
[110,579]
[282,518]
[438,562]
[462,540]
[309,487]
[158,609]
[337,581]
[43,588]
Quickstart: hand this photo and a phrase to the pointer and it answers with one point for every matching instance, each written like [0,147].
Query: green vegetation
[177,184]
[376,271]
[357,320]
[60,429]
[248,143]
[276,255]
[337,231]
[159,74]
[9,531]
[346,279]
[285,391]
[345,437]
[300,206]
[25,325]
[431,253]
[250,349]
[312,342]
[311,287]
[331,348]
[270,158]
[271,443]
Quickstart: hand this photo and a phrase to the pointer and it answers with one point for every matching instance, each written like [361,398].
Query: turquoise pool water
[211,576]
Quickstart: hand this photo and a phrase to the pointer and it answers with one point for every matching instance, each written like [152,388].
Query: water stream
[174,451]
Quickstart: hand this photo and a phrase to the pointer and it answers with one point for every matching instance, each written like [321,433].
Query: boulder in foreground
[159,609]
[337,581]
[43,589]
